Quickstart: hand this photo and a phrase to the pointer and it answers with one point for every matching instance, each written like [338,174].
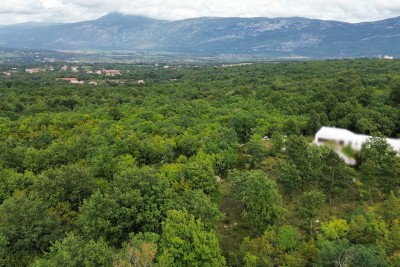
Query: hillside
[208,36]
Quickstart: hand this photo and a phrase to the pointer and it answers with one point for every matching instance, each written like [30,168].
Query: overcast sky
[16,11]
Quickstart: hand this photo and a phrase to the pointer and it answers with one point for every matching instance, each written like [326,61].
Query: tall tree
[28,226]
[256,149]
[73,251]
[394,94]
[310,204]
[184,242]
[380,165]
[70,183]
[289,178]
[335,175]
[263,203]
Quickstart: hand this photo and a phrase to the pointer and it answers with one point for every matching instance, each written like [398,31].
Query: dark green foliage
[109,217]
[70,183]
[310,203]
[276,247]
[10,181]
[73,251]
[310,166]
[365,229]
[28,226]
[201,206]
[342,253]
[138,201]
[256,149]
[140,251]
[3,250]
[379,165]
[394,94]
[290,178]
[243,124]
[288,237]
[298,172]
[335,176]
[259,195]
[389,209]
[184,242]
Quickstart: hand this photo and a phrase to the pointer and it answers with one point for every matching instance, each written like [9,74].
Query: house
[112,72]
[72,80]
[338,138]
[33,70]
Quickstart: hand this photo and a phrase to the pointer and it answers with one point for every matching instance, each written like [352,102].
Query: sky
[18,11]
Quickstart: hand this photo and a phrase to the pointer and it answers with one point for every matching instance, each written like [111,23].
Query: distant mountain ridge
[208,36]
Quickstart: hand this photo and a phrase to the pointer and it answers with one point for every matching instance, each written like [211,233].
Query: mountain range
[210,36]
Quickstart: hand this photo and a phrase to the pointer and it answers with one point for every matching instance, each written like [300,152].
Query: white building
[338,138]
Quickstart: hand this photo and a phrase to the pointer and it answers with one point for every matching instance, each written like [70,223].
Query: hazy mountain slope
[6,29]
[210,36]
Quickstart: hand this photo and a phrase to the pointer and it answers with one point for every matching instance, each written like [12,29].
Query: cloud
[78,10]
[21,7]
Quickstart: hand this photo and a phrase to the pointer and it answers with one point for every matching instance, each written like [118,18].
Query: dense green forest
[167,165]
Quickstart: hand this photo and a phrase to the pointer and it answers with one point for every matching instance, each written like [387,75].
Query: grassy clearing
[233,228]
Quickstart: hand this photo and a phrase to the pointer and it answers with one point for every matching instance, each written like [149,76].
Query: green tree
[184,242]
[70,183]
[289,178]
[137,202]
[256,149]
[380,165]
[310,204]
[391,243]
[263,203]
[333,253]
[367,255]
[243,124]
[276,247]
[3,250]
[342,253]
[108,217]
[10,181]
[389,209]
[199,175]
[200,206]
[368,172]
[394,94]
[73,251]
[335,229]
[261,251]
[335,175]
[302,159]
[288,237]
[278,142]
[140,251]
[28,226]
[154,192]
[365,229]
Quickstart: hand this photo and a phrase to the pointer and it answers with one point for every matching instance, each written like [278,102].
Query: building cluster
[75,69]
